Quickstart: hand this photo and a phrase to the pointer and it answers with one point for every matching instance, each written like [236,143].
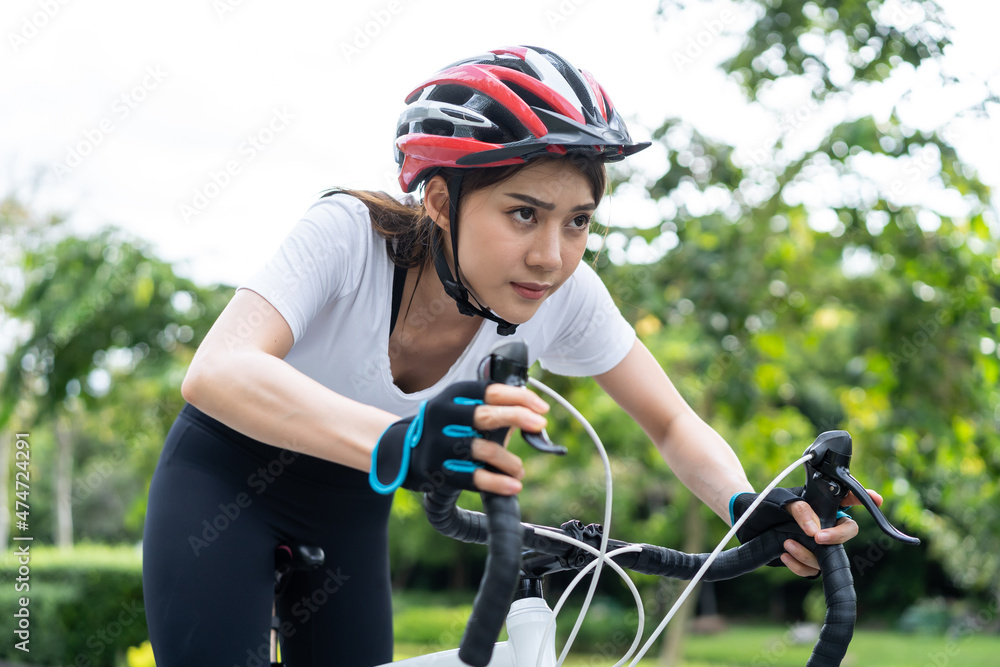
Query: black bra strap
[398,281]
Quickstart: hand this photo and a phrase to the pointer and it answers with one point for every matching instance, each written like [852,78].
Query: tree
[847,281]
[101,318]
[851,283]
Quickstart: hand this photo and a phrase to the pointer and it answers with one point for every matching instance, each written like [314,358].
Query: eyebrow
[528,199]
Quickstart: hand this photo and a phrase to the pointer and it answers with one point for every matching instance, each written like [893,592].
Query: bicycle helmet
[497,109]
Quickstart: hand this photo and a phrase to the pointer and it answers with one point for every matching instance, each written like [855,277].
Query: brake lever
[829,480]
[508,363]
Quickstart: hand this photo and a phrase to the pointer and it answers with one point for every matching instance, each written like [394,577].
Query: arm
[700,458]
[239,376]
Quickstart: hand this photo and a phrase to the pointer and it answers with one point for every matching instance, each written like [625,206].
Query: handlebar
[548,556]
[828,481]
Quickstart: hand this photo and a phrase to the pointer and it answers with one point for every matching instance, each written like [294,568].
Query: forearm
[267,399]
[703,462]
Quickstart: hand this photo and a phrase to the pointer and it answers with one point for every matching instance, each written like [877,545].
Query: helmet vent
[437,126]
[519,65]
[458,95]
[529,97]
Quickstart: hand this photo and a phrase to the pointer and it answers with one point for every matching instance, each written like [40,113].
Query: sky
[206,127]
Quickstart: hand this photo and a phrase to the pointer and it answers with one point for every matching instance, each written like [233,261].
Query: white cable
[550,628]
[711,559]
[607,509]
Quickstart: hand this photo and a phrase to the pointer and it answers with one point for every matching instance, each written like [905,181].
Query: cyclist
[333,375]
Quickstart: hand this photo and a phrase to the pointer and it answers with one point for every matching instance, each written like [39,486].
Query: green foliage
[802,291]
[814,292]
[85,604]
[107,333]
[436,623]
[430,620]
[836,44]
[99,308]
[427,623]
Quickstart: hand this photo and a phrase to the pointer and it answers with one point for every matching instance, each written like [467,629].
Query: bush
[85,604]
[437,622]
[927,616]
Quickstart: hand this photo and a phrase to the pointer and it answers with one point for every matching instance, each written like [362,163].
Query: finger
[492,482]
[804,516]
[490,417]
[843,531]
[800,560]
[505,394]
[499,457]
[801,554]
[851,499]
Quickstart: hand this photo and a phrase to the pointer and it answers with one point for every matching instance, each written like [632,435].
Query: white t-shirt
[331,279]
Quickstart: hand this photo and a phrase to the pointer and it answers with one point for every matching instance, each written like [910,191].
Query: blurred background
[810,244]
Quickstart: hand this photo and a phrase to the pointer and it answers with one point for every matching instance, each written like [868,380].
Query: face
[521,239]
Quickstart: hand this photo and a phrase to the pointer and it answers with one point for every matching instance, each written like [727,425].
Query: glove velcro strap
[732,506]
[383,458]
[432,447]
[841,514]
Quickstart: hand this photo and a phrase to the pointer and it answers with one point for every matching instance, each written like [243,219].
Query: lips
[533,291]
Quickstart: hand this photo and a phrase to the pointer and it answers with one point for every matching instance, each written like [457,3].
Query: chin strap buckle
[457,292]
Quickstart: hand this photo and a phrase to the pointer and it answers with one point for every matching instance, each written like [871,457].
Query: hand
[784,505]
[802,561]
[445,443]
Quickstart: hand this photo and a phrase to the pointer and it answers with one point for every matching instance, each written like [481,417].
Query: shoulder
[338,224]
[339,208]
[331,247]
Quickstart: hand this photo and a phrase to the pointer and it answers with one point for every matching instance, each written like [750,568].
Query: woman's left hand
[801,560]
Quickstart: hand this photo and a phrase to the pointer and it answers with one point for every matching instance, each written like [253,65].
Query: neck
[427,308]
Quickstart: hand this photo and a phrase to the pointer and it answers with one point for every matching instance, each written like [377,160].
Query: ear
[436,202]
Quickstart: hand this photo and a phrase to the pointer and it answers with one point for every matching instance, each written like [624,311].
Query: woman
[350,338]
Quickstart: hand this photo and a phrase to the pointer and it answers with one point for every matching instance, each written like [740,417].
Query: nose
[545,251]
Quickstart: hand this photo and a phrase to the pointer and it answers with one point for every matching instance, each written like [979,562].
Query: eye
[524,215]
[580,222]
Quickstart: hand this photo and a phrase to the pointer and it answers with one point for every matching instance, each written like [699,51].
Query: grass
[768,646]
[759,646]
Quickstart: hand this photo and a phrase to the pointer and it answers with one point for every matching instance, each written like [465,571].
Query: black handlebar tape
[838,583]
[453,521]
[729,564]
[841,606]
[496,589]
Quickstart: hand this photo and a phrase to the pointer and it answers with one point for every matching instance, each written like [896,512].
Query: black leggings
[219,504]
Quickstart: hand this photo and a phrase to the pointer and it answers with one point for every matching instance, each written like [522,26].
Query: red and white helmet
[503,108]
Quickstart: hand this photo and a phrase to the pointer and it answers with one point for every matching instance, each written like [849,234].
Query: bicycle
[289,559]
[520,554]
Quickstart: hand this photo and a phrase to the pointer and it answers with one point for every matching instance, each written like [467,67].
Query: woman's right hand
[445,443]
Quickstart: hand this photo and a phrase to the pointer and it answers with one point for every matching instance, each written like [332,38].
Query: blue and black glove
[769,514]
[434,447]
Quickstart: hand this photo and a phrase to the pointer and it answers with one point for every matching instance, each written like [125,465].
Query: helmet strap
[453,286]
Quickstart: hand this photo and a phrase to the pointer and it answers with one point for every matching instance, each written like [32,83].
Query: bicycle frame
[527,620]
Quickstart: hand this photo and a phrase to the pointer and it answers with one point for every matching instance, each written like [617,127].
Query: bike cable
[715,553]
[601,556]
[634,548]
